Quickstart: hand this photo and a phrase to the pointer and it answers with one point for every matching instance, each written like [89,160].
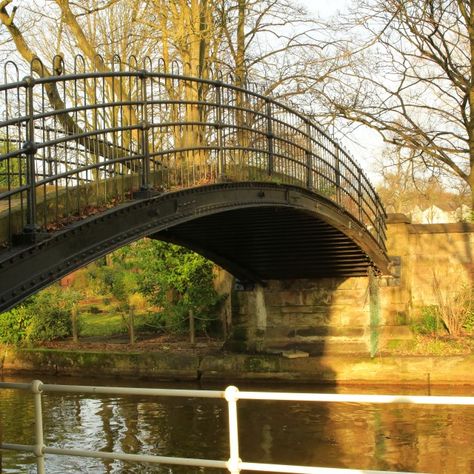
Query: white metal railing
[231,394]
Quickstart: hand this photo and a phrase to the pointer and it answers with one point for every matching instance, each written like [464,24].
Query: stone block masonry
[351,315]
[425,252]
[308,315]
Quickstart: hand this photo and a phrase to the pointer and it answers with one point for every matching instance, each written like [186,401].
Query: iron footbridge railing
[76,143]
[232,395]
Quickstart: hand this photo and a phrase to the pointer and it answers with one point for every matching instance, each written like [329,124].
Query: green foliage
[429,321]
[146,273]
[14,325]
[43,317]
[469,323]
[50,312]
[116,281]
[177,280]
[10,172]
[172,278]
[427,345]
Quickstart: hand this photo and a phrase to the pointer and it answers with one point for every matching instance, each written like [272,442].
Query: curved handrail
[78,140]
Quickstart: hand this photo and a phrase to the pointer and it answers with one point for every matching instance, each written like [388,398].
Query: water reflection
[418,438]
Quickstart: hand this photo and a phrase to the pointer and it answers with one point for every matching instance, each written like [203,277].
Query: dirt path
[163,343]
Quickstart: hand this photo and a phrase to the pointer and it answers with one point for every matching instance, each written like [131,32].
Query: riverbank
[207,363]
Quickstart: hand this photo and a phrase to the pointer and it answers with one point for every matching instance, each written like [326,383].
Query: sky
[364,144]
[325,7]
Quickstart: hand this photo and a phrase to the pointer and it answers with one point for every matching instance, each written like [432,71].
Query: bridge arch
[317,239]
[246,180]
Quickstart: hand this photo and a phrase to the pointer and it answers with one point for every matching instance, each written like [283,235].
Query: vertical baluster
[232,396]
[379,219]
[29,149]
[270,137]
[219,139]
[309,157]
[121,138]
[338,175]
[76,157]
[39,439]
[145,144]
[44,134]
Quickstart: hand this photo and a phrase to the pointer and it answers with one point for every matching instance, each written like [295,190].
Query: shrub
[469,323]
[50,313]
[429,321]
[455,300]
[43,317]
[14,325]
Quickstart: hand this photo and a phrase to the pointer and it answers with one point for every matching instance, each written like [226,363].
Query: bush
[469,323]
[43,317]
[49,322]
[454,295]
[51,314]
[14,325]
[429,321]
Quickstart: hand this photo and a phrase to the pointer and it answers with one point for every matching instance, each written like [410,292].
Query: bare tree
[407,72]
[406,184]
[272,42]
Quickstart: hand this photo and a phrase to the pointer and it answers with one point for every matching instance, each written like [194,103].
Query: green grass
[111,324]
[431,346]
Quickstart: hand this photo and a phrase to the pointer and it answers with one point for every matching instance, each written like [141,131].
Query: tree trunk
[131,326]
[470,130]
[192,330]
[75,331]
[471,186]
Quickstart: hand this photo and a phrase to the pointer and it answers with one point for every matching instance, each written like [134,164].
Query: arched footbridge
[94,159]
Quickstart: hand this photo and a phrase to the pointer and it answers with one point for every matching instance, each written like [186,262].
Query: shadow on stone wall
[319,316]
[294,327]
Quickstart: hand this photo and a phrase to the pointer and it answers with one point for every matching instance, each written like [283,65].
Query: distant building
[439,214]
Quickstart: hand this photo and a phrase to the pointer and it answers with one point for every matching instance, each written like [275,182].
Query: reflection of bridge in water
[93,160]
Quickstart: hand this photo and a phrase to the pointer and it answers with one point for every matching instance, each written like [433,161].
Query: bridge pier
[317,316]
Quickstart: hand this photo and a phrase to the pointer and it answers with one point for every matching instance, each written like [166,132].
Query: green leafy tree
[177,280]
[120,281]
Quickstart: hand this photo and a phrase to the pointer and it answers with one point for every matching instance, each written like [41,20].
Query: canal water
[398,438]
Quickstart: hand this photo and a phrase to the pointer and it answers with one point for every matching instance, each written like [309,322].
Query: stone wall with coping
[424,254]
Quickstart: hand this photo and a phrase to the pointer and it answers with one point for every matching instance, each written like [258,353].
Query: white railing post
[233,464]
[39,440]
